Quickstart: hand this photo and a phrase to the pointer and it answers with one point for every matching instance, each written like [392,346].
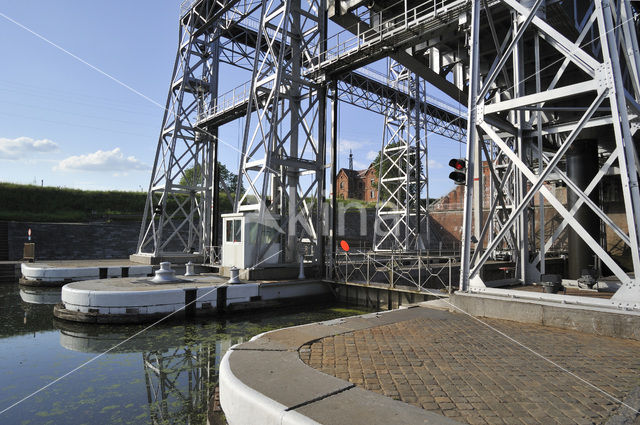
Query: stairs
[7,269]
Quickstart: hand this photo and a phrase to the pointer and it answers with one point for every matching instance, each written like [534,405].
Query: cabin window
[234,231]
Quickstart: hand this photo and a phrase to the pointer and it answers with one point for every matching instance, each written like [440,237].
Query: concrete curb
[264,381]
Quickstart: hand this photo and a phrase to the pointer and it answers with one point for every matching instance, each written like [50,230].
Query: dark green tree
[193,176]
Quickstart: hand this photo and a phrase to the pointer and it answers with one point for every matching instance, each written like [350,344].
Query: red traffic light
[458,164]
[459,177]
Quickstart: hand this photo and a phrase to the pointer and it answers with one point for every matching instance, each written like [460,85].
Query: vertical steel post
[472,140]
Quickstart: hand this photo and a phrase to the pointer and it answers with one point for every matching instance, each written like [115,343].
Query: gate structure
[553,96]
[553,90]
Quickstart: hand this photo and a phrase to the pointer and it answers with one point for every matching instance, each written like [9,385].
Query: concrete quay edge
[264,381]
[597,321]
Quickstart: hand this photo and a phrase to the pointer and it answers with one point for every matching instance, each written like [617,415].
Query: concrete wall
[77,241]
[597,321]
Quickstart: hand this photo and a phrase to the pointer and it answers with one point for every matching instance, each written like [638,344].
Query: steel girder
[588,87]
[367,90]
[282,162]
[401,214]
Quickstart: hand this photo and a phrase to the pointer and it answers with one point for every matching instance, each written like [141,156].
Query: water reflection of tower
[181,381]
[180,364]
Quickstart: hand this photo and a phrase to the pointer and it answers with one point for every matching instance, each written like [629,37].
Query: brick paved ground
[462,369]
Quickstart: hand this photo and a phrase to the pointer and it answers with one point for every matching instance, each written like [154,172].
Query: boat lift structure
[540,90]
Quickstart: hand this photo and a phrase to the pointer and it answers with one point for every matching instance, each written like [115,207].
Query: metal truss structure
[283,164]
[401,214]
[282,160]
[181,192]
[552,81]
[546,82]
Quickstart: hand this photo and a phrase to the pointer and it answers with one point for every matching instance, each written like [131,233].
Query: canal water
[166,375]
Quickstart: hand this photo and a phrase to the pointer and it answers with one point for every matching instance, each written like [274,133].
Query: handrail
[410,17]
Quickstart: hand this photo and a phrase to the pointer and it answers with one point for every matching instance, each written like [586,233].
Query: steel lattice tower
[176,219]
[282,160]
[563,77]
[401,214]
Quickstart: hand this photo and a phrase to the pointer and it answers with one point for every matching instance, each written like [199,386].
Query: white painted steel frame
[609,63]
[282,163]
[401,215]
[176,217]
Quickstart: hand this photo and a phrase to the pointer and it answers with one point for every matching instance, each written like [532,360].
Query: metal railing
[215,255]
[226,101]
[240,95]
[409,18]
[402,270]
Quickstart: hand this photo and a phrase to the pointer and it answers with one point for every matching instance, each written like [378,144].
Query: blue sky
[67,125]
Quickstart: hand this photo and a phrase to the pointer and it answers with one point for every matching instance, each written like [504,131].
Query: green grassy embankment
[35,203]
[53,204]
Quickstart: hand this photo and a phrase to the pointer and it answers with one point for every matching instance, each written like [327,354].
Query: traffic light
[460,175]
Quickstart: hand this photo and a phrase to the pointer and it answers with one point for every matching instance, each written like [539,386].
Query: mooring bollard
[190,269]
[164,274]
[233,275]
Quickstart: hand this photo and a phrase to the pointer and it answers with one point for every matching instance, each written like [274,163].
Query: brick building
[353,184]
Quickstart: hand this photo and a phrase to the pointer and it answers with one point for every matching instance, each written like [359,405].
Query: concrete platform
[135,300]
[264,381]
[428,365]
[58,273]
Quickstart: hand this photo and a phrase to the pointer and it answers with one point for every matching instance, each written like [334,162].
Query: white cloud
[101,161]
[371,155]
[434,164]
[22,147]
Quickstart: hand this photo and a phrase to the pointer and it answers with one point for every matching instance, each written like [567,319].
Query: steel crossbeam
[364,88]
